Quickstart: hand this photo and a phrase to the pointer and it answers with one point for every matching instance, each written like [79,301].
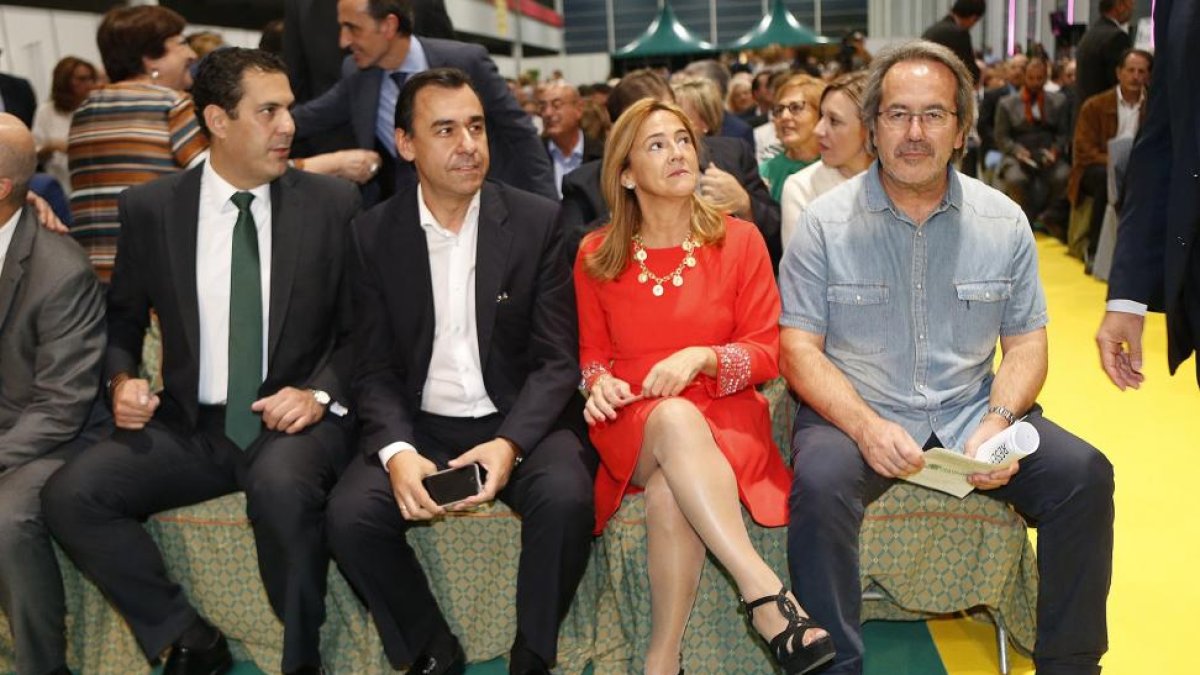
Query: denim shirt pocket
[858,318]
[979,313]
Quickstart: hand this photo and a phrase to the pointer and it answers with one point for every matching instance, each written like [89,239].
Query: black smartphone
[454,485]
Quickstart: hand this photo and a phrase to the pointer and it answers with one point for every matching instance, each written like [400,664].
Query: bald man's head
[18,161]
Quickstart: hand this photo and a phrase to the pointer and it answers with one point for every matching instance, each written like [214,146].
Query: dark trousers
[1064,489]
[96,504]
[551,491]
[1094,184]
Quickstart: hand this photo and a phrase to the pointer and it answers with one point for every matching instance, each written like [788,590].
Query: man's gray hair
[918,50]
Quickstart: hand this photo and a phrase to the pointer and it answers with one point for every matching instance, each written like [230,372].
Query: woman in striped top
[132,131]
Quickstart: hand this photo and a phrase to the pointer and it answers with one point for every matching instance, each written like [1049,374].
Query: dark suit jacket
[1161,212]
[1097,56]
[733,126]
[18,98]
[1097,123]
[308,334]
[987,116]
[524,309]
[314,60]
[431,20]
[949,34]
[512,140]
[51,342]
[584,208]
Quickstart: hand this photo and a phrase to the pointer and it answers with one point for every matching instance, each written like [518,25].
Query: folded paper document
[947,470]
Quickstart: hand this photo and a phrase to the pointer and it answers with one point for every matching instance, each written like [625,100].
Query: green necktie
[243,425]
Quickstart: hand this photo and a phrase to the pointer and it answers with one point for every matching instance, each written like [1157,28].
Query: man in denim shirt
[895,289]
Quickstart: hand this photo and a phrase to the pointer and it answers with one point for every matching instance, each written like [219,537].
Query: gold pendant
[677,280]
[657,290]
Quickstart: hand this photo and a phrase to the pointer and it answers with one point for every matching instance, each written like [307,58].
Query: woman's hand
[674,373]
[608,394]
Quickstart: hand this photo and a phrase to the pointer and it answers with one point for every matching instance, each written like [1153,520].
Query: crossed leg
[692,505]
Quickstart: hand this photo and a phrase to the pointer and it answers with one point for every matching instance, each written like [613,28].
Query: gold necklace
[675,276]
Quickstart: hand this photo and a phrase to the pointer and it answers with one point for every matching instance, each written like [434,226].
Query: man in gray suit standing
[51,343]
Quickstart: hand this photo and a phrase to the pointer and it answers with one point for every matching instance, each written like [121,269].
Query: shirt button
[920,387]
[921,336]
[858,297]
[918,286]
[987,294]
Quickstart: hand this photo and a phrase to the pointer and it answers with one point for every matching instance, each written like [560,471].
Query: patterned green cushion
[929,553]
[471,560]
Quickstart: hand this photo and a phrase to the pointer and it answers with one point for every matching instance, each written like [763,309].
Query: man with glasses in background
[894,296]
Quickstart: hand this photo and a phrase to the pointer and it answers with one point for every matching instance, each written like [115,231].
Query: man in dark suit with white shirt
[1155,266]
[383,54]
[466,351]
[51,346]
[242,260]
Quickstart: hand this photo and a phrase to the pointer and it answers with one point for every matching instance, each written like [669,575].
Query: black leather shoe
[453,663]
[213,660]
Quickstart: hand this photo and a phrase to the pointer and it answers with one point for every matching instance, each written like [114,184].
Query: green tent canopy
[779,27]
[665,37]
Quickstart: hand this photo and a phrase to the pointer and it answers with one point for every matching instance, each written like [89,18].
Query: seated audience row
[326,361]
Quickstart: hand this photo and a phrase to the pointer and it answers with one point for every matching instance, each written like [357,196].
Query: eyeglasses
[795,108]
[933,118]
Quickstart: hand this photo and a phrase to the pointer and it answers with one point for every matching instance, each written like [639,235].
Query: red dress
[728,301]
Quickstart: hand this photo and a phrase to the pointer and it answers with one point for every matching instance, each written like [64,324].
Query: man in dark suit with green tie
[242,260]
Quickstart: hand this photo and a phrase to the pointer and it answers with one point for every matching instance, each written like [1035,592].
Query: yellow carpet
[1152,437]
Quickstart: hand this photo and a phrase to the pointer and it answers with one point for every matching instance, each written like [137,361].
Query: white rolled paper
[1019,439]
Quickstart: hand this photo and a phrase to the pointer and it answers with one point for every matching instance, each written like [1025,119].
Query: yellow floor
[1152,437]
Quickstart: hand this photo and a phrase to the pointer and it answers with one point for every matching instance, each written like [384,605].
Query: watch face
[321,397]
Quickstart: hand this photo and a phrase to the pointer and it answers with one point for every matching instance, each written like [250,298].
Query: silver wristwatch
[1003,412]
[321,397]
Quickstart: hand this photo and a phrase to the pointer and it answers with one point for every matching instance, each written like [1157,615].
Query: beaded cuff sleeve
[591,372]
[733,368]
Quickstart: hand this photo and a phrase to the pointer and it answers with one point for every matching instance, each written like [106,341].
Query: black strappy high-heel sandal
[788,646]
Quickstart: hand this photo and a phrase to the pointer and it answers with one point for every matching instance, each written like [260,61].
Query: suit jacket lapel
[287,205]
[179,235]
[19,250]
[491,263]
[410,280]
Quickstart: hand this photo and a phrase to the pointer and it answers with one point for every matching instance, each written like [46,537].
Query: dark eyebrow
[446,121]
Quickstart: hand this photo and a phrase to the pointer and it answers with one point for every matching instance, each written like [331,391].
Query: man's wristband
[1001,411]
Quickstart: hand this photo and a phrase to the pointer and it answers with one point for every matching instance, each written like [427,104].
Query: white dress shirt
[1127,114]
[454,386]
[6,235]
[214,255]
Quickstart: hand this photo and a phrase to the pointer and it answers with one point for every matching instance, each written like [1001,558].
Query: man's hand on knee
[888,449]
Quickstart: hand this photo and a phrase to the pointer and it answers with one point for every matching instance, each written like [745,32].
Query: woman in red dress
[678,320]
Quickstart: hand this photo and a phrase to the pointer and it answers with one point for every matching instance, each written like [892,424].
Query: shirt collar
[429,222]
[878,199]
[576,151]
[1121,99]
[415,61]
[219,191]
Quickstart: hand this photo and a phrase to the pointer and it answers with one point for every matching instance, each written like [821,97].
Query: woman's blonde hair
[612,256]
[704,96]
